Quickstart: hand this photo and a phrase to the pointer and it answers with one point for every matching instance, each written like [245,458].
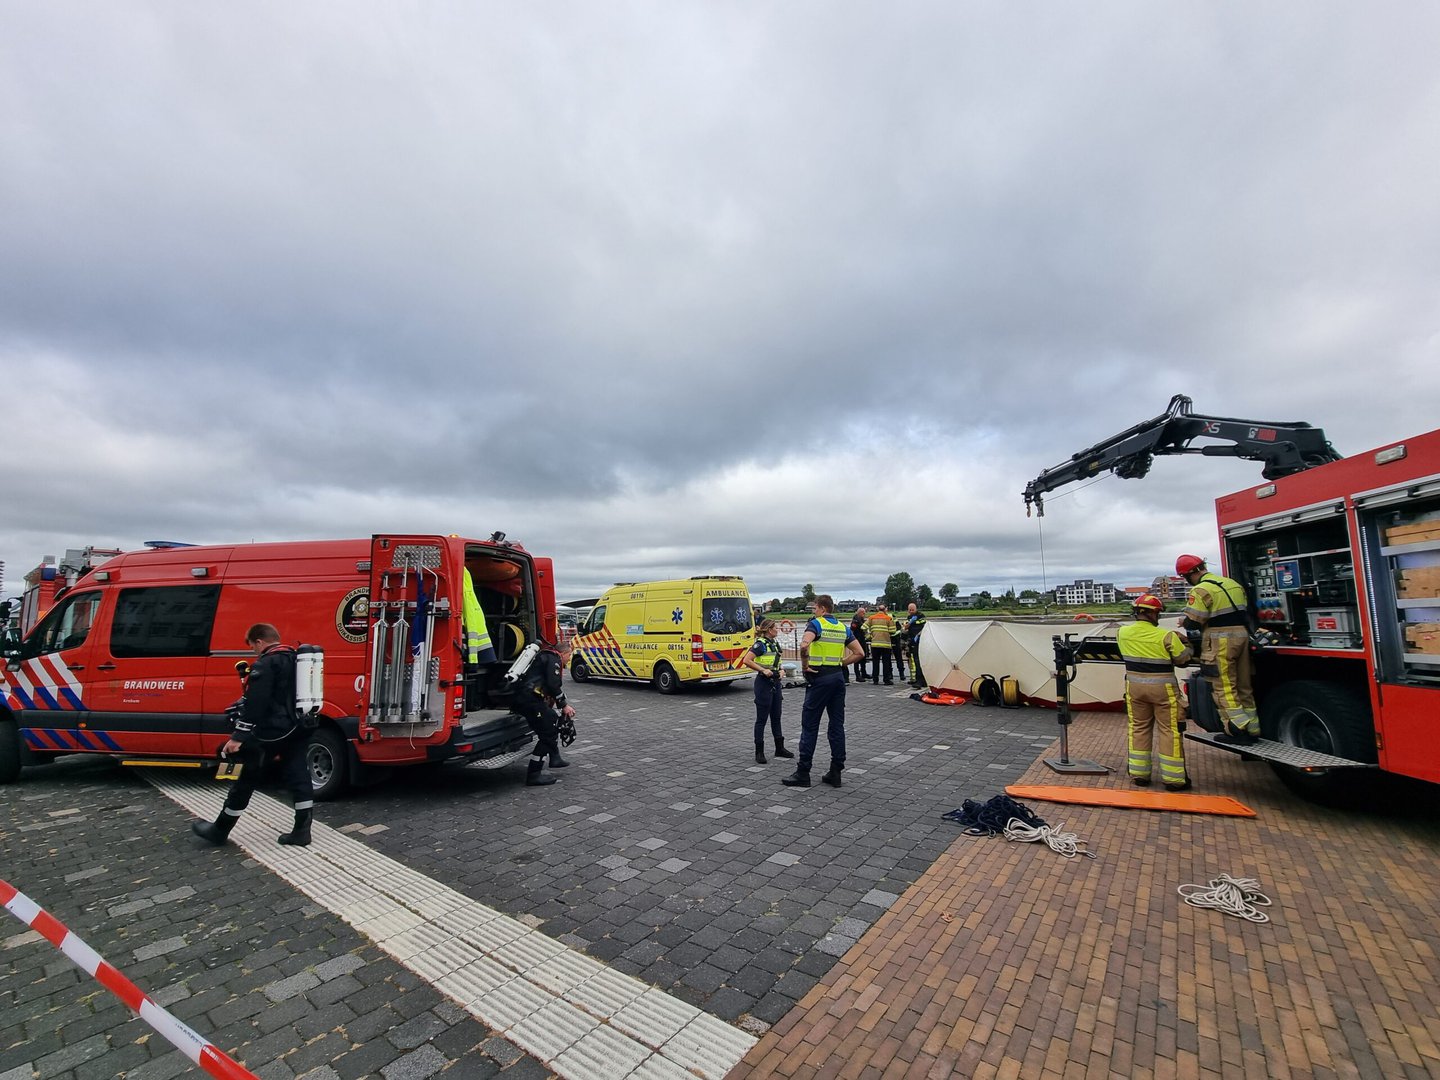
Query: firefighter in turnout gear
[268,733]
[540,698]
[1219,609]
[1152,696]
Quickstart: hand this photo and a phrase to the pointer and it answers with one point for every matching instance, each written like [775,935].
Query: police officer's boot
[760,753]
[833,776]
[300,835]
[533,776]
[799,778]
[556,761]
[218,831]
[780,750]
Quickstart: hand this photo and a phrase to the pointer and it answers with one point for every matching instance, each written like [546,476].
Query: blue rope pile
[990,818]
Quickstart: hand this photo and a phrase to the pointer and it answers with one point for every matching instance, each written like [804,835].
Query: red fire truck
[137,658]
[1341,560]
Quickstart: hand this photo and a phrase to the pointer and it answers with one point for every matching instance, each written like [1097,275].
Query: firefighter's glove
[565,729]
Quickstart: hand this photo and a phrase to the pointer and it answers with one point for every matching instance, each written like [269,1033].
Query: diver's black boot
[533,776]
[217,831]
[299,836]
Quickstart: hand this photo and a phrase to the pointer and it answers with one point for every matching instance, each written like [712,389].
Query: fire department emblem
[352,617]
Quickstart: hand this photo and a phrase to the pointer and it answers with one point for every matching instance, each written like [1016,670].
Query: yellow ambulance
[669,633]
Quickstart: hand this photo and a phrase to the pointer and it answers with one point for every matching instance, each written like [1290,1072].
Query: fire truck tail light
[1395,453]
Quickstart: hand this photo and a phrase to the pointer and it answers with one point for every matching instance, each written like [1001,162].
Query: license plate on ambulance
[717,666]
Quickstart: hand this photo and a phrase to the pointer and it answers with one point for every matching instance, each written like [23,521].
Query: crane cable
[1232,896]
[1065,844]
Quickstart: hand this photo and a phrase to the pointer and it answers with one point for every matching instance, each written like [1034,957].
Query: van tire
[666,681]
[9,752]
[327,757]
[579,670]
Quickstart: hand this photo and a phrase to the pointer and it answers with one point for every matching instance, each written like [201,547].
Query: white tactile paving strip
[577,1016]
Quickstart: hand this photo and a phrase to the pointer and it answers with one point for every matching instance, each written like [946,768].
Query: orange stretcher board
[1132,800]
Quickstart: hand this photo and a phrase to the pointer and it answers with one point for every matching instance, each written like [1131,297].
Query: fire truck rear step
[1282,753]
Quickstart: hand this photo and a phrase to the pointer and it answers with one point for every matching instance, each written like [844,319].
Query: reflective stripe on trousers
[1155,708]
[1227,648]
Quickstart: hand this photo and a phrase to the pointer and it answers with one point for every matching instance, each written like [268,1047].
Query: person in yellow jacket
[882,633]
[1218,607]
[478,649]
[1152,696]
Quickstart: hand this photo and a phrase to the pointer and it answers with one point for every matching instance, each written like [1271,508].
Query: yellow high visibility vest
[1216,601]
[828,648]
[477,634]
[1150,650]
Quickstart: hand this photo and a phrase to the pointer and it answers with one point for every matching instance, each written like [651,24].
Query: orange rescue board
[1132,800]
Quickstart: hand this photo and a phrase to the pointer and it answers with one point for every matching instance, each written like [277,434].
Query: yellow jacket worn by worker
[1153,702]
[827,651]
[478,649]
[1218,606]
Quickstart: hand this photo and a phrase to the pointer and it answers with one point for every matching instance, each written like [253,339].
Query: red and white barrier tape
[197,1048]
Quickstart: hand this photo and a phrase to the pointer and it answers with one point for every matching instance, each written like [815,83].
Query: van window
[594,621]
[66,626]
[726,614]
[172,620]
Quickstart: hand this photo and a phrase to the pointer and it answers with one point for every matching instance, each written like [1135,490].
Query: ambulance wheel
[579,670]
[325,757]
[666,681]
[9,752]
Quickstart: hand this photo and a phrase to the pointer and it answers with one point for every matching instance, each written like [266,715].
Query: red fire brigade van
[137,659]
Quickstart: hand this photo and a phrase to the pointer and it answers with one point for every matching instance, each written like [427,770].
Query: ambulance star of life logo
[677,616]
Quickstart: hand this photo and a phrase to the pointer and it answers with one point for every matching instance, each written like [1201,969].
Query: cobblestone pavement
[665,853]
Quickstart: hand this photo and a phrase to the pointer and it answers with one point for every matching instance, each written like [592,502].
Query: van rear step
[1282,753]
[500,761]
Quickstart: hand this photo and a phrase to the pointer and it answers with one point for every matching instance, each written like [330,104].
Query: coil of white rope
[1062,843]
[1233,896]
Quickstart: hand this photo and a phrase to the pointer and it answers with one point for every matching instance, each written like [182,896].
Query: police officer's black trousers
[767,707]
[825,693]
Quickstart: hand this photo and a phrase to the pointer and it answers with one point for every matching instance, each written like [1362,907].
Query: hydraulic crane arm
[1284,447]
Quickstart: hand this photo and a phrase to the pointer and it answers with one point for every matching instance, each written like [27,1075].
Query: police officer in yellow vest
[1218,607]
[1152,696]
[828,645]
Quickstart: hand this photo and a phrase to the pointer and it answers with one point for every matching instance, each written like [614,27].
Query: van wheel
[9,752]
[579,670]
[325,757]
[666,681]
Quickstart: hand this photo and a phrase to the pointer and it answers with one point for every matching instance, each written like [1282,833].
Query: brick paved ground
[1005,960]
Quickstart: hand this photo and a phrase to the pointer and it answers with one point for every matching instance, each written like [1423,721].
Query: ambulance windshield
[726,614]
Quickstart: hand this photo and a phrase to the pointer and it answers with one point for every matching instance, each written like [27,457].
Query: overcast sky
[805,291]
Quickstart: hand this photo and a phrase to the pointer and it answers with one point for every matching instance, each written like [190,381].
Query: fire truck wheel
[326,758]
[666,681]
[579,670]
[9,752]
[1325,717]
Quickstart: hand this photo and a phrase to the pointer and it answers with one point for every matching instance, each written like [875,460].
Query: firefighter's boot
[299,836]
[780,750]
[534,776]
[217,831]
[556,761]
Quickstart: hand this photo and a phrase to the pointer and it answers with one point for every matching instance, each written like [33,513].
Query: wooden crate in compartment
[1423,638]
[1414,533]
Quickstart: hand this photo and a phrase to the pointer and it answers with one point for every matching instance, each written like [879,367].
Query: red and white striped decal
[198,1049]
